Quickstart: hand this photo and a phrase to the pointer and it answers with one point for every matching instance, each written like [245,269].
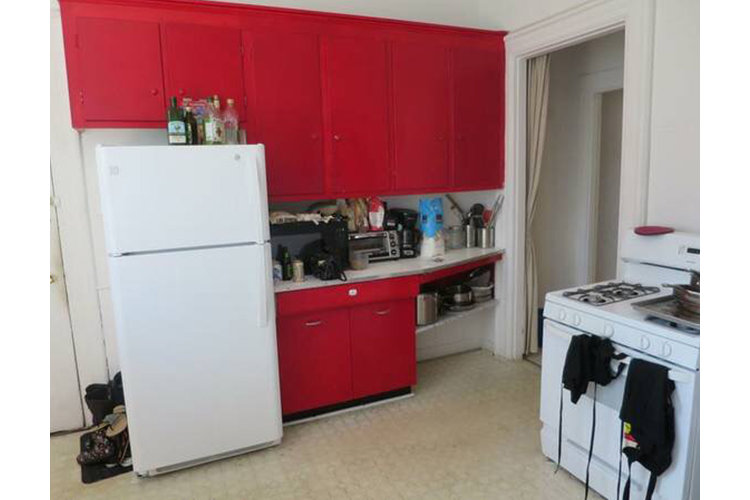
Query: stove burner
[609,293]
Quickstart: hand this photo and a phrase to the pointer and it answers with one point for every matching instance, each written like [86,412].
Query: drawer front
[383,347]
[307,301]
[314,360]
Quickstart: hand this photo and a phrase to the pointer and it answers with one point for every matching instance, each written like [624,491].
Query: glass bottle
[231,121]
[209,122]
[175,125]
[191,126]
[219,137]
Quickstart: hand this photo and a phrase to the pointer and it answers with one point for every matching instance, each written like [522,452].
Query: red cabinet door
[478,118]
[282,78]
[383,346]
[120,71]
[201,61]
[314,360]
[357,82]
[421,98]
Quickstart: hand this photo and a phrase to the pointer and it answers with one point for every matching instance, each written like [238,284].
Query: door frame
[579,24]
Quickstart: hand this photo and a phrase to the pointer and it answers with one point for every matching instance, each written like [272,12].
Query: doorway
[574,228]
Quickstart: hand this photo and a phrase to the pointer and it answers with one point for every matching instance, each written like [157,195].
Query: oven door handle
[674,375]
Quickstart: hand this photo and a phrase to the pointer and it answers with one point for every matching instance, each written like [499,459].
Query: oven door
[673,484]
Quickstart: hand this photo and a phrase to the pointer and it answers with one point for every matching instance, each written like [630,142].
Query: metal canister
[486,237]
[298,271]
[471,236]
[427,308]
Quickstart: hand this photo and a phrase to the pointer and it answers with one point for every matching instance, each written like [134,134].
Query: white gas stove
[606,310]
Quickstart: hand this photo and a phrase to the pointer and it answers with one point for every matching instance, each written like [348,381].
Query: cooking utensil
[688,296]
[496,209]
[427,308]
[456,208]
[458,295]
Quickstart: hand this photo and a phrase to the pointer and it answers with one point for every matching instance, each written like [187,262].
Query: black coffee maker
[404,221]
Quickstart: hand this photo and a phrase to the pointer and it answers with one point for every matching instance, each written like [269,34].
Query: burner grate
[608,293]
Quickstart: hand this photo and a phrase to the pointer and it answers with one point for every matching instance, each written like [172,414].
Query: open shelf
[449,317]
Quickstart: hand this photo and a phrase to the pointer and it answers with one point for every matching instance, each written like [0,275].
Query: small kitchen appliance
[427,308]
[379,245]
[404,221]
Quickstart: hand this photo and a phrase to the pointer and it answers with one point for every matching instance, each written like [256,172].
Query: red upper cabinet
[478,98]
[282,78]
[201,61]
[383,347]
[120,72]
[421,114]
[357,87]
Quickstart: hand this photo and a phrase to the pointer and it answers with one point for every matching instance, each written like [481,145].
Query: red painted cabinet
[201,61]
[357,88]
[421,114]
[314,360]
[478,98]
[120,72]
[282,78]
[383,347]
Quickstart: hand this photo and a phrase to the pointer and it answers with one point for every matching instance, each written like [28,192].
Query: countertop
[393,269]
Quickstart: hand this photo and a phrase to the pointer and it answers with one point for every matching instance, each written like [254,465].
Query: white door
[66,412]
[167,197]
[197,344]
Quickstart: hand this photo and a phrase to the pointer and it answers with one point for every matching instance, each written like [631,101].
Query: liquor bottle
[191,126]
[219,121]
[209,122]
[231,130]
[175,125]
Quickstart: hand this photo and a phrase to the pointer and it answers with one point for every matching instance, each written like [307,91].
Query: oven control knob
[666,349]
[561,315]
[609,330]
[576,319]
[645,343]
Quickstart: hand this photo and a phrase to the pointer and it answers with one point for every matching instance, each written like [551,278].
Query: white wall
[674,177]
[560,228]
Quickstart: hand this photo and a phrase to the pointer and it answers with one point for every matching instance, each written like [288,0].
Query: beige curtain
[536,123]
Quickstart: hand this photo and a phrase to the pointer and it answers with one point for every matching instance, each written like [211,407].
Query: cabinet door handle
[313,323]
[383,312]
[336,137]
[154,92]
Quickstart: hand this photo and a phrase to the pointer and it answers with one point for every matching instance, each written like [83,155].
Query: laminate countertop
[394,269]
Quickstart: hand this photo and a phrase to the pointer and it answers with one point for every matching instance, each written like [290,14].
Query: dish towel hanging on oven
[587,360]
[647,426]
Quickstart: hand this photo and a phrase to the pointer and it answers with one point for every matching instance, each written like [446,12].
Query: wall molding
[579,24]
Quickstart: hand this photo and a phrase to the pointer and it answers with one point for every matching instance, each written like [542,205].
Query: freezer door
[167,197]
[197,342]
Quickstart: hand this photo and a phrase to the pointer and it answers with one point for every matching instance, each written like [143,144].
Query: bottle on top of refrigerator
[175,125]
[209,122]
[219,137]
[191,126]
[231,119]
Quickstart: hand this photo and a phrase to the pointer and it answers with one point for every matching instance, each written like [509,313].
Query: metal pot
[688,296]
[458,295]
[427,308]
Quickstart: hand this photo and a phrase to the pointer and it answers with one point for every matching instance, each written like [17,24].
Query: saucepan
[458,295]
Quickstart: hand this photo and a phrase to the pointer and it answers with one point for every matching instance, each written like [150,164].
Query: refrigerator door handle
[263,309]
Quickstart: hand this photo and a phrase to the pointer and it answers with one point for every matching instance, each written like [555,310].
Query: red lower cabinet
[314,360]
[383,347]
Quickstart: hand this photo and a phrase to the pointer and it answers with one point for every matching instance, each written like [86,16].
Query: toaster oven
[379,245]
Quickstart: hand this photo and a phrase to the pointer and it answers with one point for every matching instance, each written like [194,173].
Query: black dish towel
[648,415]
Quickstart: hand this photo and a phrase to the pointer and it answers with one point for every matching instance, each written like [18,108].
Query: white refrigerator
[187,236]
